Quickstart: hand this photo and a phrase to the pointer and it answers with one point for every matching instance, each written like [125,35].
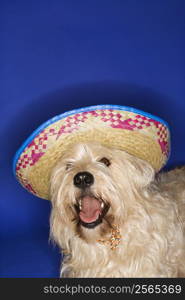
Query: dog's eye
[68,166]
[105,161]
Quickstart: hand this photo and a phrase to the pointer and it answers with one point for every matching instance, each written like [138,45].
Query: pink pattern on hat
[123,124]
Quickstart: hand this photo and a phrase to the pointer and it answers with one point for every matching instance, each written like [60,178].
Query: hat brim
[132,130]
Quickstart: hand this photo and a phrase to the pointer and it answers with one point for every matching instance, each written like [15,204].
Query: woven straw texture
[134,133]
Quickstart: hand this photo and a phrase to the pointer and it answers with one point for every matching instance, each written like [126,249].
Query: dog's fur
[149,210]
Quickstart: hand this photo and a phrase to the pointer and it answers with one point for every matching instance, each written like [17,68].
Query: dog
[112,216]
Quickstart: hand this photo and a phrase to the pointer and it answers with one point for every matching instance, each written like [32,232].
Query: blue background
[59,55]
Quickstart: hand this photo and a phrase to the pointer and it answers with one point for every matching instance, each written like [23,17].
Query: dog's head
[94,187]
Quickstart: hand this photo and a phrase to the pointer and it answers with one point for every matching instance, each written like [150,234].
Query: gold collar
[114,239]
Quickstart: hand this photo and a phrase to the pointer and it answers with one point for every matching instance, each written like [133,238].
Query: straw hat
[138,133]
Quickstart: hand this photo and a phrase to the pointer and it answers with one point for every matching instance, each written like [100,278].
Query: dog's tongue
[91,208]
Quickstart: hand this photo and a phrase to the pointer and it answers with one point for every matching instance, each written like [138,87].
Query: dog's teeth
[80,204]
[102,205]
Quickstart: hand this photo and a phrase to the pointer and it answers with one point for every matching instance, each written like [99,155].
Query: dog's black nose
[83,180]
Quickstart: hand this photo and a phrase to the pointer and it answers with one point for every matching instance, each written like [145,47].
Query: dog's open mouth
[91,211]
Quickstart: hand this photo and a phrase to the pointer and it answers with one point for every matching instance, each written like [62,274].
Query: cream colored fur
[149,211]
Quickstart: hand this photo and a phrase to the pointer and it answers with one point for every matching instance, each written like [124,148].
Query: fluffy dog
[112,216]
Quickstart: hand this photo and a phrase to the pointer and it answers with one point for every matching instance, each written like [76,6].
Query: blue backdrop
[64,54]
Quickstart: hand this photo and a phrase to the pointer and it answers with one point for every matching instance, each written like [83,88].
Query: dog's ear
[139,172]
[142,172]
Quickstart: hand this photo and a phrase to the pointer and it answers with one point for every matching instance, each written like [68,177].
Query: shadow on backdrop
[86,94]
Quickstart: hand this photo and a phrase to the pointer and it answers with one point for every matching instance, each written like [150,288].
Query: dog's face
[93,187]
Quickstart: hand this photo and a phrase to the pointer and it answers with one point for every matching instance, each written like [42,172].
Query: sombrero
[134,131]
